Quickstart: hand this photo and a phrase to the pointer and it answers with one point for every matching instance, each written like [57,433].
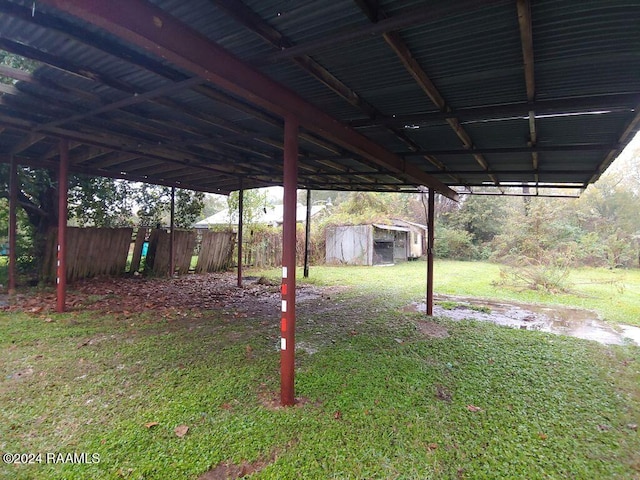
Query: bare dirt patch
[229,470]
[128,295]
[432,330]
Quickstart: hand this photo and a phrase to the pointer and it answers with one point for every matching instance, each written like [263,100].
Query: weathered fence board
[90,252]
[158,255]
[216,251]
[137,249]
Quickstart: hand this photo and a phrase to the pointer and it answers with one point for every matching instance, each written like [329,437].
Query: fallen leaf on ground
[473,408]
[543,436]
[181,430]
[151,424]
[432,446]
[337,415]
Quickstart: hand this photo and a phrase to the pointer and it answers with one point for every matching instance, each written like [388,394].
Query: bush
[454,244]
[547,273]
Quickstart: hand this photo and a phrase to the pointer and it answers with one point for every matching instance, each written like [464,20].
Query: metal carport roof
[391,94]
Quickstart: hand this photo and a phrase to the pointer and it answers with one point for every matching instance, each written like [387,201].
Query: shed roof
[390,94]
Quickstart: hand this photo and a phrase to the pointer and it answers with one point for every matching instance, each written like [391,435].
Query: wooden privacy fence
[263,248]
[216,251]
[90,252]
[104,251]
[159,253]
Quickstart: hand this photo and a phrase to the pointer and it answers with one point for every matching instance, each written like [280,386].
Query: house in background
[271,215]
[375,243]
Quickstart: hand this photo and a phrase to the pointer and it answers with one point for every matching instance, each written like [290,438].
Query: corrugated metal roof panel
[473,56]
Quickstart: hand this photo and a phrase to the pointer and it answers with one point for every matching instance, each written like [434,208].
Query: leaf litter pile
[169,297]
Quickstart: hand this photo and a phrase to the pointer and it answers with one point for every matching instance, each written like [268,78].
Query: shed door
[382,252]
[400,247]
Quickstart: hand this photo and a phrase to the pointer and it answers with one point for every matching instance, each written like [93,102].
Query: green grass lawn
[613,294]
[379,397]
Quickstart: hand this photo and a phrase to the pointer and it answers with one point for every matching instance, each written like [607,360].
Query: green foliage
[454,243]
[189,205]
[25,260]
[481,216]
[549,274]
[93,201]
[100,202]
[361,208]
[17,62]
[254,202]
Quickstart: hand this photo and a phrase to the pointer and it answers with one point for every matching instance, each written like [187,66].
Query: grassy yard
[383,393]
[614,294]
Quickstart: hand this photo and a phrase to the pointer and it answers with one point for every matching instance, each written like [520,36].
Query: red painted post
[13,225]
[172,234]
[307,236]
[430,240]
[288,322]
[63,186]
[240,228]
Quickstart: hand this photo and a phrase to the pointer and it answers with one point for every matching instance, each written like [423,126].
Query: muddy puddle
[573,322]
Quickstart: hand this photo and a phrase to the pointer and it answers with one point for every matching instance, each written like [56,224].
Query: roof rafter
[526,39]
[407,19]
[253,22]
[52,164]
[134,57]
[152,29]
[401,49]
[575,105]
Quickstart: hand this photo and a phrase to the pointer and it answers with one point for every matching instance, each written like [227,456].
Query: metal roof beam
[28,141]
[576,105]
[134,57]
[467,172]
[401,49]
[253,22]
[153,96]
[152,29]
[406,19]
[53,164]
[526,39]
[116,144]
[127,102]
[587,147]
[629,132]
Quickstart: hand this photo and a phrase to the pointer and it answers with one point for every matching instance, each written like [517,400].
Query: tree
[189,206]
[481,216]
[254,202]
[101,202]
[607,212]
[93,201]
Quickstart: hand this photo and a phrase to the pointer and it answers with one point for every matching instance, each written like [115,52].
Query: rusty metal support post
[63,187]
[240,231]
[430,240]
[307,236]
[13,225]
[172,234]
[288,322]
